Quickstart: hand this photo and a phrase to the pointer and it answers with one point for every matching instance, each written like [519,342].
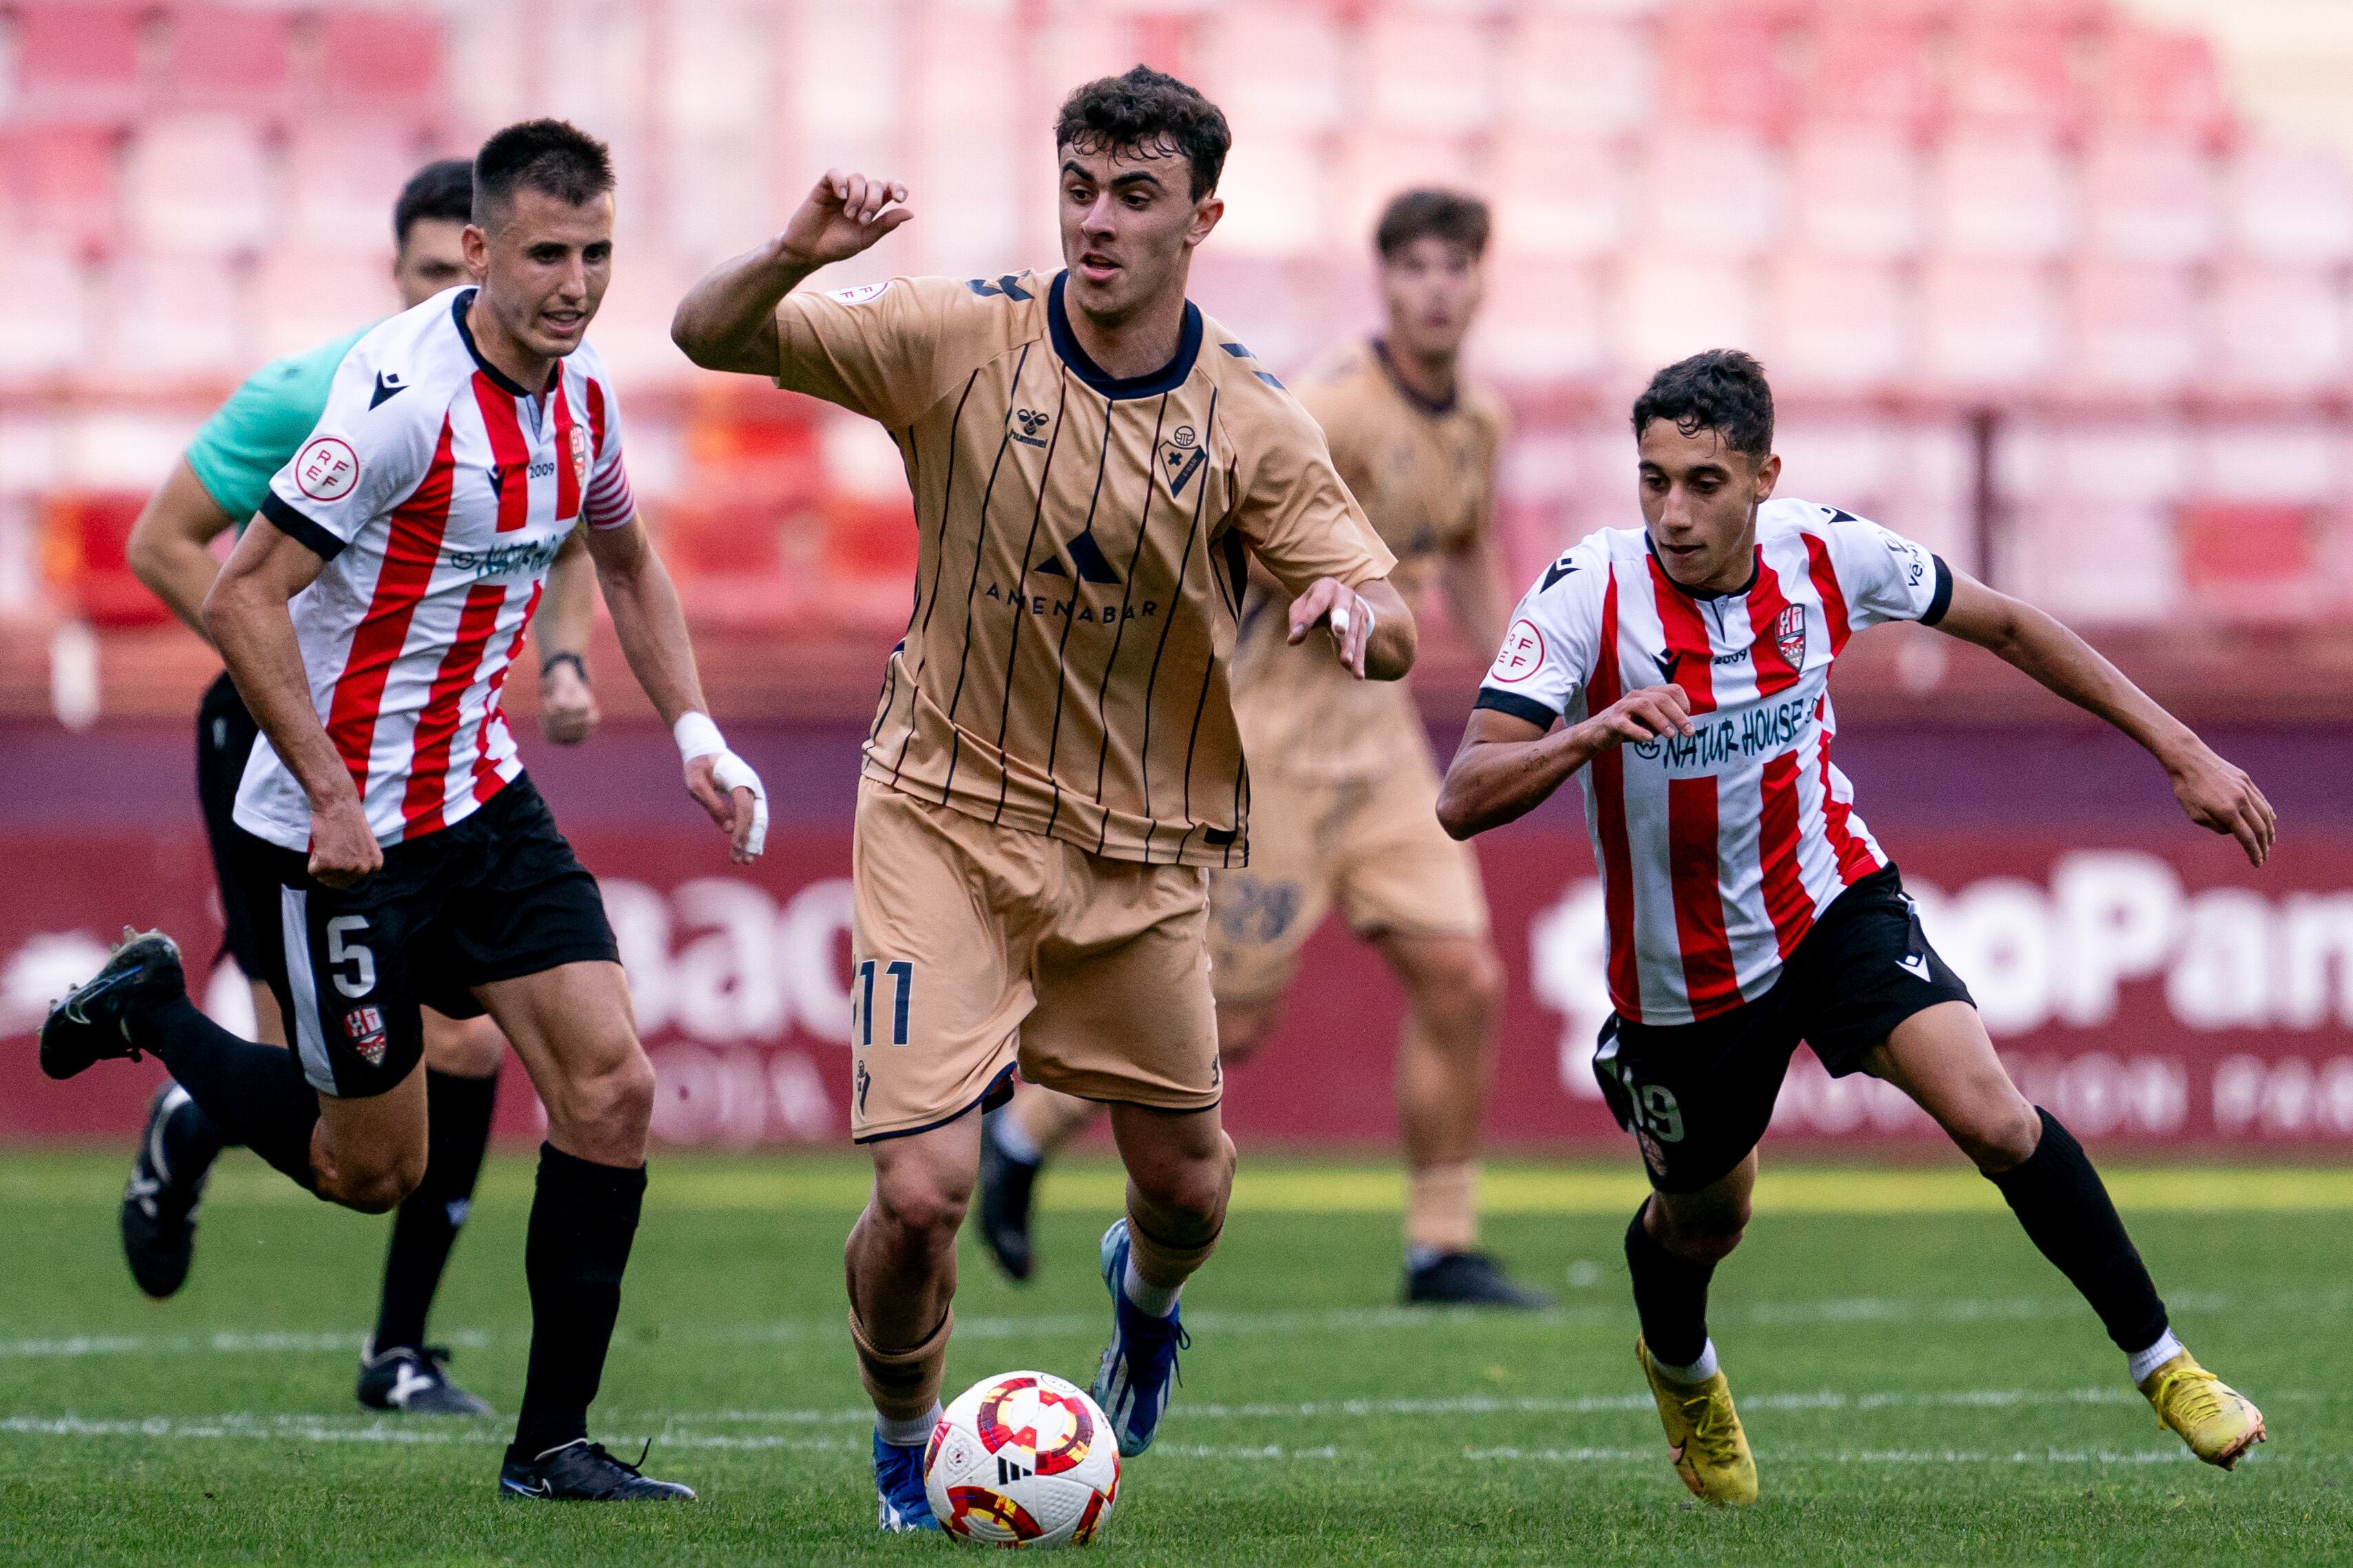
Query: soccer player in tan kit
[1054,767]
[1344,787]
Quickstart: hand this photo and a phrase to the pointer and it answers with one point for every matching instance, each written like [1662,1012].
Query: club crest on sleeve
[1790,635]
[326,468]
[1522,656]
[364,1025]
[580,456]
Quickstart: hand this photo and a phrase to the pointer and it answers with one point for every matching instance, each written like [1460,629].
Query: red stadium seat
[2157,80]
[1988,328]
[1855,191]
[303,297]
[2149,195]
[2133,328]
[172,316]
[1839,324]
[2003,195]
[79,63]
[225,57]
[1671,303]
[1559,197]
[1720,62]
[1866,64]
[379,59]
[1713,187]
[2252,561]
[342,174]
[1376,162]
[83,544]
[2110,564]
[2279,330]
[1277,187]
[1542,323]
[66,180]
[197,184]
[1275,67]
[2011,65]
[2292,203]
[44,310]
[1577,75]
[1429,73]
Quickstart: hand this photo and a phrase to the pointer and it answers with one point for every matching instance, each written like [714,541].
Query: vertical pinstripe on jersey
[947,500]
[971,585]
[1126,599]
[1184,571]
[1062,643]
[309,1039]
[1606,777]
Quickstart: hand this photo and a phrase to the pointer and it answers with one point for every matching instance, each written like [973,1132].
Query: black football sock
[582,1219]
[1670,1297]
[457,1110]
[253,1094]
[2066,1211]
[192,1140]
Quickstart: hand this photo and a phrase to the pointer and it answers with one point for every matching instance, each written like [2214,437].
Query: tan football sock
[903,1384]
[1442,1206]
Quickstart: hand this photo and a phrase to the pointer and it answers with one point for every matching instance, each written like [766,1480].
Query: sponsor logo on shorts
[326,468]
[364,1025]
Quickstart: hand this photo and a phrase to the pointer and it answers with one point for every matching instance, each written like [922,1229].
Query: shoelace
[2198,1391]
[1711,1438]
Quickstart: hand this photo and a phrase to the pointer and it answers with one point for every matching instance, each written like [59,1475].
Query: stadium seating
[1912,208]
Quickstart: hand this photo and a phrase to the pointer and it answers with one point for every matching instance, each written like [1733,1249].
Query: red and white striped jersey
[438,491]
[1717,851]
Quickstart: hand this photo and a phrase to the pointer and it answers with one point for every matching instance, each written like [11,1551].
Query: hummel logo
[1031,421]
[1916,965]
[387,384]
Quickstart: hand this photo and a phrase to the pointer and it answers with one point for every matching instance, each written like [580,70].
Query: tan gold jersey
[1084,546]
[1426,477]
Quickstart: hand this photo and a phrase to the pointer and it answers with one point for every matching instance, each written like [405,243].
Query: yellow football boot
[2217,1421]
[1704,1441]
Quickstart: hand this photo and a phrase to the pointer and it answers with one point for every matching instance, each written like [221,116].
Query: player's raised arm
[728,321]
[2215,794]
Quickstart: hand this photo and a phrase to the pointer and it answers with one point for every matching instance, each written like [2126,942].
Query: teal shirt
[251,437]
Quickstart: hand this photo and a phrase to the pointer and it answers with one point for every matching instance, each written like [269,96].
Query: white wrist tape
[697,736]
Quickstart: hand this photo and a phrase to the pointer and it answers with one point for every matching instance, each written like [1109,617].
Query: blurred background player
[386,836]
[1749,908]
[217,484]
[1342,784]
[1053,766]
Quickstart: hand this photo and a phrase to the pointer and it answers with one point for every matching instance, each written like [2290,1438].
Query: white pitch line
[1613,1314]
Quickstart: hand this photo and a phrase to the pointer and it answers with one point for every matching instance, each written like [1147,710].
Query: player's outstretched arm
[246,616]
[559,635]
[1372,630]
[728,321]
[2215,794]
[169,545]
[652,631]
[1506,765]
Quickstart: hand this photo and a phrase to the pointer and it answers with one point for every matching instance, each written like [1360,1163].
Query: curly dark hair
[550,157]
[1431,214]
[1144,108]
[443,189]
[1722,390]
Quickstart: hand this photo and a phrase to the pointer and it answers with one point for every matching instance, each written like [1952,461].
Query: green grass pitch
[1919,1385]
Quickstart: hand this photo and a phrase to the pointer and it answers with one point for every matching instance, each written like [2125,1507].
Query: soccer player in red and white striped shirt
[1680,672]
[387,837]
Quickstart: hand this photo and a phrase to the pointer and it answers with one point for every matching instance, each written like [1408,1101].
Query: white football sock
[1152,1299]
[1013,1139]
[1689,1376]
[912,1434]
[2143,1363]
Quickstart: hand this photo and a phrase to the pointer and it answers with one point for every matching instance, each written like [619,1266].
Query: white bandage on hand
[697,736]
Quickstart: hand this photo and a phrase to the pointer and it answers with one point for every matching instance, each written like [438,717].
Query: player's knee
[1460,990]
[373,1185]
[1187,1193]
[612,1105]
[1998,1134]
[1242,1028]
[921,1206]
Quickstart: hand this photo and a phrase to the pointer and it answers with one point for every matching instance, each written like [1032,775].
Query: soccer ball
[1023,1458]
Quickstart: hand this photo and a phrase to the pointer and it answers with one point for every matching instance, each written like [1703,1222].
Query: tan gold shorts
[1373,845]
[973,946]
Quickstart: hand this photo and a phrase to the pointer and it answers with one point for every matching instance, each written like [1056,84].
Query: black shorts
[497,896]
[225,735]
[1697,1097]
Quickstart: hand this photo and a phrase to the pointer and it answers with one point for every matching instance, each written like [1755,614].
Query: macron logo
[1915,964]
[388,385]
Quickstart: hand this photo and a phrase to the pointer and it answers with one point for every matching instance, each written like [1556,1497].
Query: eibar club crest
[1789,635]
[1181,458]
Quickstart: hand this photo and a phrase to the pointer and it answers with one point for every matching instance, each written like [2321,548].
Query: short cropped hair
[1450,216]
[442,191]
[550,156]
[1144,108]
[1722,390]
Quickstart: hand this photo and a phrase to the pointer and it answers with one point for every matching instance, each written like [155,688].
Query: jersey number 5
[902,977]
